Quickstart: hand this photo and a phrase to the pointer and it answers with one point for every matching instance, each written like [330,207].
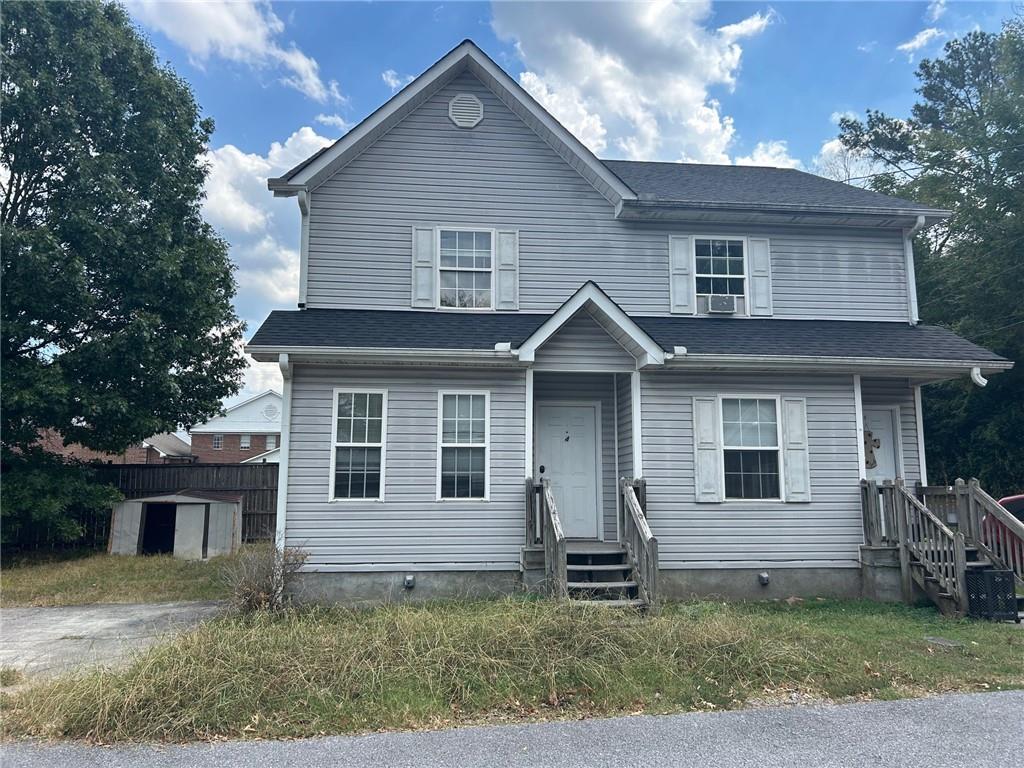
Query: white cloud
[334,121]
[836,162]
[936,9]
[394,81]
[836,116]
[919,41]
[867,47]
[263,231]
[770,153]
[632,78]
[246,32]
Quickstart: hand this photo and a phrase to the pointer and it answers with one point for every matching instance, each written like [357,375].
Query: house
[513,362]
[248,431]
[166,448]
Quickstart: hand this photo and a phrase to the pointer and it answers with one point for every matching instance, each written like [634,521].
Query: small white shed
[192,525]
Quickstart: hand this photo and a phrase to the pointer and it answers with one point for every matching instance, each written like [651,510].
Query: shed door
[880,447]
[568,452]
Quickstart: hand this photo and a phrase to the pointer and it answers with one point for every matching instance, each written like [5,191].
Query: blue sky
[739,82]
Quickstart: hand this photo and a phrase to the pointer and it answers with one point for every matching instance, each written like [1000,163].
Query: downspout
[908,256]
[977,378]
[282,467]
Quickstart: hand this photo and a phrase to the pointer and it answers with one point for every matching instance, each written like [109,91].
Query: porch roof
[338,330]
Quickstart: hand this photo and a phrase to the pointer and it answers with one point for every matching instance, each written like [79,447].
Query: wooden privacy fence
[255,483]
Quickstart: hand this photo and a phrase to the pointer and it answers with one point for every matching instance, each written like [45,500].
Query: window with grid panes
[465,267]
[719,267]
[463,446]
[358,445]
[750,447]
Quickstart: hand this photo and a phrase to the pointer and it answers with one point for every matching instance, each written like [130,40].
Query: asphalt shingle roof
[747,185]
[388,329]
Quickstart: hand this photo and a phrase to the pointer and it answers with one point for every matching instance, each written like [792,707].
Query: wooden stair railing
[986,523]
[641,545]
[940,552]
[553,538]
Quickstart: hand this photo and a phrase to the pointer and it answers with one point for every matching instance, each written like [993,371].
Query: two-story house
[495,327]
[247,432]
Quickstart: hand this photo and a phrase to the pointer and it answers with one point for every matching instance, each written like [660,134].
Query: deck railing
[552,538]
[997,533]
[635,534]
[879,512]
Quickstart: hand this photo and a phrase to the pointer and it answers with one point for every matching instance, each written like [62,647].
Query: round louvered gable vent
[270,412]
[465,110]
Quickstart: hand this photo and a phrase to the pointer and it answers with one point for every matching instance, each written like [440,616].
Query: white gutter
[977,378]
[692,359]
[282,471]
[908,257]
[303,198]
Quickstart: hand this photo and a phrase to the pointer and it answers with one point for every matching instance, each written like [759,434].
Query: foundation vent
[465,110]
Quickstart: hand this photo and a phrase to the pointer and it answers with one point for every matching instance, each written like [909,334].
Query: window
[244,442]
[719,267]
[271,442]
[358,460]
[750,444]
[218,442]
[466,261]
[463,445]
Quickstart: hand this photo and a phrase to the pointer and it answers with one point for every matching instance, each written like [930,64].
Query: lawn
[102,578]
[306,672]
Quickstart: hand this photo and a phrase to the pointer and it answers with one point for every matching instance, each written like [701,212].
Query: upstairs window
[218,442]
[750,447]
[359,435]
[463,445]
[719,270]
[271,442]
[466,262]
[245,442]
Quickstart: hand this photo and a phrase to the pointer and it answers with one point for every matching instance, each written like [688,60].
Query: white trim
[528,463]
[746,276]
[778,445]
[303,198]
[919,417]
[858,415]
[459,58]
[438,268]
[896,424]
[486,444]
[638,450]
[598,451]
[357,390]
[589,293]
[615,435]
[260,458]
[908,256]
[282,472]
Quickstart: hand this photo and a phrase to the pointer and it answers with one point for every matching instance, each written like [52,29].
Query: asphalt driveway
[978,730]
[53,640]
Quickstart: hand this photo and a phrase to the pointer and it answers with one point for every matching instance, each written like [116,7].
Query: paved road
[51,640]
[976,730]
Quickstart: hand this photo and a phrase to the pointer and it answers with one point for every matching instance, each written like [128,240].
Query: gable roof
[740,186]
[168,444]
[231,421]
[464,57]
[350,331]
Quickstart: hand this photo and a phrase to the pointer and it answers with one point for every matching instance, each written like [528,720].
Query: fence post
[899,508]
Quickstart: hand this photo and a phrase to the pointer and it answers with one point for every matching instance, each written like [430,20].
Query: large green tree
[962,148]
[117,297]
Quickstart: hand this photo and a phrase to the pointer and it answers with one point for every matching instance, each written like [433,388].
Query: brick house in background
[245,431]
[165,448]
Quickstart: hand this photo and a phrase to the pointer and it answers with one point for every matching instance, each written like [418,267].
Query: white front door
[567,455]
[880,457]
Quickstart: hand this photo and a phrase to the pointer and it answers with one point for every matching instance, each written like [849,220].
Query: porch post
[284,445]
[638,453]
[858,410]
[528,463]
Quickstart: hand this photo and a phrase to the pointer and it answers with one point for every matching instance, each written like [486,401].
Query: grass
[327,671]
[10,676]
[102,578]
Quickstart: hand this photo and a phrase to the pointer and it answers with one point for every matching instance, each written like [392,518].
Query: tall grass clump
[315,671]
[256,577]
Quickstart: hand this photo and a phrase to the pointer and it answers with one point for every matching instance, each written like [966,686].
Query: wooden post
[641,494]
[960,570]
[964,518]
[531,533]
[906,580]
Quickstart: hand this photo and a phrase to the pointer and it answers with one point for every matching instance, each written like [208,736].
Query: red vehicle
[1014,505]
[1003,541]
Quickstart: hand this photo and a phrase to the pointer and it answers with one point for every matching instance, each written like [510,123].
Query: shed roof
[188,495]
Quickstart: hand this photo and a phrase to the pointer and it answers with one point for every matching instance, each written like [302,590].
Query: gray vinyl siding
[589,386]
[583,345]
[425,171]
[623,396]
[824,532]
[410,528]
[898,392]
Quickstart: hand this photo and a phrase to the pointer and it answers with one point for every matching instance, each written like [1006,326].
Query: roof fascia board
[856,364]
[590,294]
[380,354]
[852,215]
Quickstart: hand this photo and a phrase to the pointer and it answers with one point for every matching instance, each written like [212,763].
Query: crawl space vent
[465,110]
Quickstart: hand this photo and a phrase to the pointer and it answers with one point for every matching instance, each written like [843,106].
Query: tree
[117,297]
[963,149]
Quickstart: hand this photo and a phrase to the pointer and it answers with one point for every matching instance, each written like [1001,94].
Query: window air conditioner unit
[722,305]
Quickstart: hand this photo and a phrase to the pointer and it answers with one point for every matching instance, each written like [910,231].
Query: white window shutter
[794,449]
[707,454]
[760,262]
[506,274]
[680,275]
[424,271]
